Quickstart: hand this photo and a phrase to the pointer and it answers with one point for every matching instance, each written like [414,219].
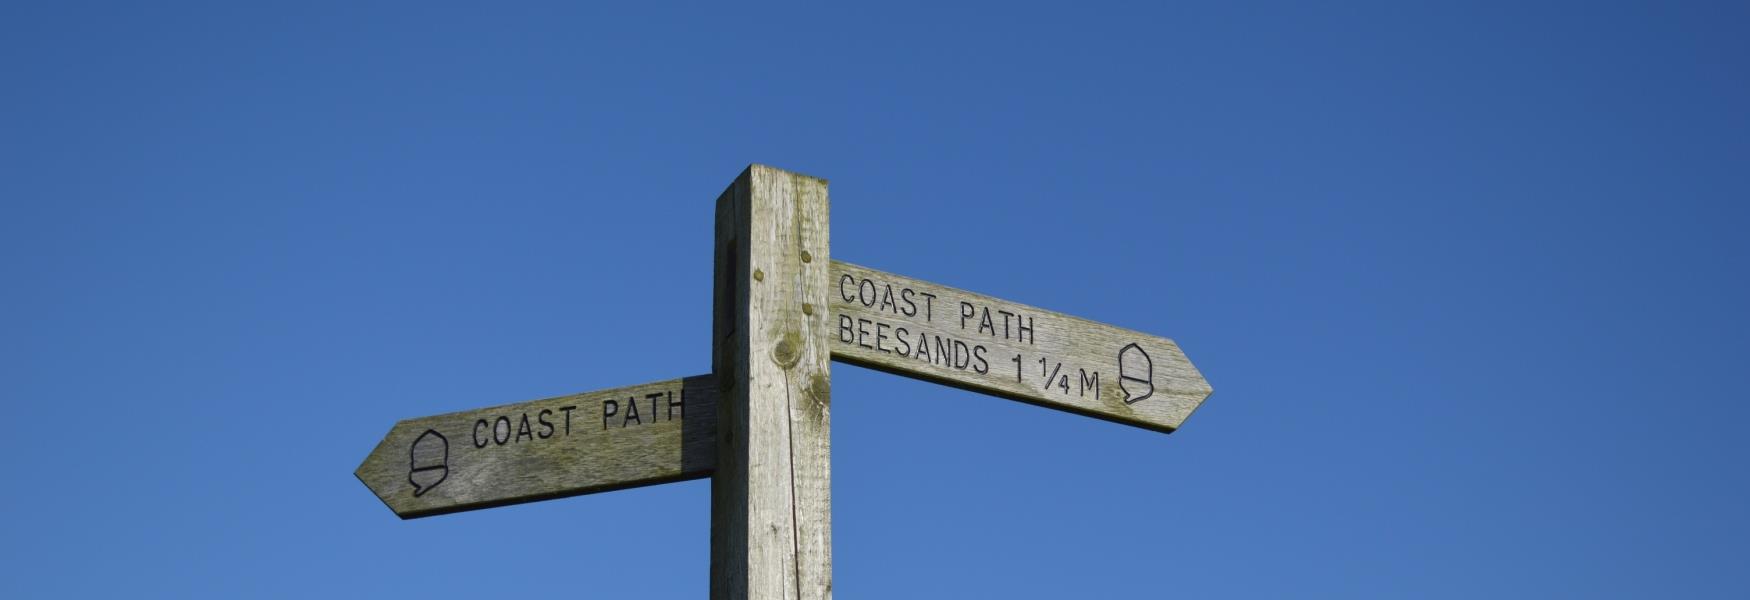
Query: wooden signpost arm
[771,508]
[542,449]
[994,346]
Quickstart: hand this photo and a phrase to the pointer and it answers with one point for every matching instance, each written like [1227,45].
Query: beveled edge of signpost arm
[420,514]
[875,366]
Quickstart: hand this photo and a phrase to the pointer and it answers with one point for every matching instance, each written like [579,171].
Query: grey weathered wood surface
[938,333]
[613,439]
[771,508]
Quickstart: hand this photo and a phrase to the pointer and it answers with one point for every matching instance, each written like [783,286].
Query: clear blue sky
[1469,281]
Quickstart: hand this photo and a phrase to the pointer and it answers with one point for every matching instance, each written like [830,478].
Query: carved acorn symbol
[428,462]
[1136,374]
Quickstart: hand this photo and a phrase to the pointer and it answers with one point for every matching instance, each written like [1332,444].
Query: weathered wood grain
[959,338]
[771,519]
[568,445]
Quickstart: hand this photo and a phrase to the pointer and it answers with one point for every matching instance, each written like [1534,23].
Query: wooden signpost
[760,424]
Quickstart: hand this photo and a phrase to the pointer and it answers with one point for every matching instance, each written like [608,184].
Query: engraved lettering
[863,333]
[631,413]
[866,293]
[523,430]
[653,397]
[501,425]
[844,294]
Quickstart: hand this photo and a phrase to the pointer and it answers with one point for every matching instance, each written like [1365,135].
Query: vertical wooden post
[771,505]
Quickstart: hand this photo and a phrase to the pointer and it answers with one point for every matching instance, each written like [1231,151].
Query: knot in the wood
[819,389]
[788,350]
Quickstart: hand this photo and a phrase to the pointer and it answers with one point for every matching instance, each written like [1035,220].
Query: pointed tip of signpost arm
[1206,390]
[359,473]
